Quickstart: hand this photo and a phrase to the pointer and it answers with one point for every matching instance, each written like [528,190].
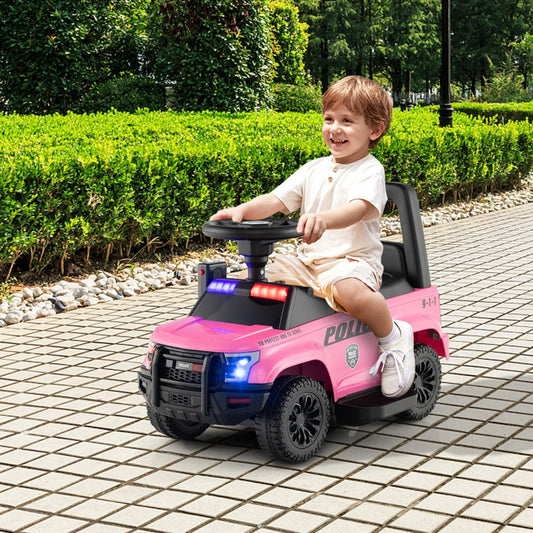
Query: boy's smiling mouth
[338,141]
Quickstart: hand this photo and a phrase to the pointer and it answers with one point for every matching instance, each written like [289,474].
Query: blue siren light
[222,286]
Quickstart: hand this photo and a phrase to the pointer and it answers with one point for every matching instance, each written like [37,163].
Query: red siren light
[269,292]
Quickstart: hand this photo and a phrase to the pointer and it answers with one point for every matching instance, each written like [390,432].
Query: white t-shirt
[311,190]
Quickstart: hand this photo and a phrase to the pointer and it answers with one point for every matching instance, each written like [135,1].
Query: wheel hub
[304,422]
[300,420]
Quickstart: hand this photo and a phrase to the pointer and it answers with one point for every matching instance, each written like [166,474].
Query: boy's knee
[351,293]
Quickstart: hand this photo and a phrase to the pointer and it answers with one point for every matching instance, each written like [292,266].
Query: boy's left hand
[312,226]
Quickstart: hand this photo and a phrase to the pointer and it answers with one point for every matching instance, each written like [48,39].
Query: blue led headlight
[238,366]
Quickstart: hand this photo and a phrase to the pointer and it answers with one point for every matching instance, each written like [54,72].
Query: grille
[184,376]
[176,366]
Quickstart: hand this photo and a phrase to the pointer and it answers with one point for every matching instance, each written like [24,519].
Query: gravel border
[40,301]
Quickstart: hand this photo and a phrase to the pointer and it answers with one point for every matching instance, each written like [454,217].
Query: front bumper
[189,385]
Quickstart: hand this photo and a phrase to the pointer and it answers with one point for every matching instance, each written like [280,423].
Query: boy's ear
[377,131]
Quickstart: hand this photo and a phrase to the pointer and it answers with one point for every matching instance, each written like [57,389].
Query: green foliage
[83,184]
[289,42]
[503,88]
[127,93]
[505,85]
[216,53]
[299,98]
[52,52]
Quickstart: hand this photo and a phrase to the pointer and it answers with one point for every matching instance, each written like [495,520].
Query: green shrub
[89,184]
[216,53]
[123,94]
[298,98]
[289,42]
[51,52]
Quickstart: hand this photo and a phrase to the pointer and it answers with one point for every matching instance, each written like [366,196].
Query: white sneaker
[398,363]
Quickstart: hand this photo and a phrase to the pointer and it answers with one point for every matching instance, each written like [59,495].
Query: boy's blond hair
[364,97]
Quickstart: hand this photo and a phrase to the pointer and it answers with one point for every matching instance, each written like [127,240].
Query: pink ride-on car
[278,358]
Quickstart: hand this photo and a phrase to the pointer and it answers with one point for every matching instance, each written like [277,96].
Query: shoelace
[397,359]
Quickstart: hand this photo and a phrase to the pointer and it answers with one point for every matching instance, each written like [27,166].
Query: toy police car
[278,358]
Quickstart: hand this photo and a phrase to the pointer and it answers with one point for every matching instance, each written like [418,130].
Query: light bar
[222,286]
[269,292]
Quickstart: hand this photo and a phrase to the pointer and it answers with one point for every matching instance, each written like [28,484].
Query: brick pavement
[78,454]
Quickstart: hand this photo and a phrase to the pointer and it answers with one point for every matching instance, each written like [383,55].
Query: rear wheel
[174,427]
[295,421]
[428,375]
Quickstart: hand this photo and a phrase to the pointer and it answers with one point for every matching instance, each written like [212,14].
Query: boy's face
[347,134]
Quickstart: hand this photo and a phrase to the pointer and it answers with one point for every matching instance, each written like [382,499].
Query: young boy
[341,199]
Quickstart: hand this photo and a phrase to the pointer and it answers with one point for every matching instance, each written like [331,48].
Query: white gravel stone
[29,315]
[27,293]
[13,317]
[37,292]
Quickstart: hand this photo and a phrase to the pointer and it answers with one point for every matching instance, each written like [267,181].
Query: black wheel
[174,427]
[428,376]
[294,424]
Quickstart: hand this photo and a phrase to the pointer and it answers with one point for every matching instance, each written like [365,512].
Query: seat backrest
[414,245]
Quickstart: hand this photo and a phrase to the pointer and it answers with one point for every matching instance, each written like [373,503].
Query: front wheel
[428,376]
[295,421]
[174,427]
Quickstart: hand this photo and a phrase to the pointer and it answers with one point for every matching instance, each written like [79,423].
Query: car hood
[195,333]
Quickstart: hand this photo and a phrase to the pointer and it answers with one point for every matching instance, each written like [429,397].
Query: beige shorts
[322,275]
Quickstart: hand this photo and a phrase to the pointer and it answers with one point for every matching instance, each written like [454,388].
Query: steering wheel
[255,239]
[270,229]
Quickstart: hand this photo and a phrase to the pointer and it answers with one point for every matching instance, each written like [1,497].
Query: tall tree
[482,33]
[320,16]
[395,39]
[522,50]
[409,49]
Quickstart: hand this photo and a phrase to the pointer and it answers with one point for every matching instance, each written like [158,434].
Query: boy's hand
[312,225]
[260,207]
[235,213]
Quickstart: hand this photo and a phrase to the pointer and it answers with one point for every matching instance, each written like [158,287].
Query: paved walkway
[78,454]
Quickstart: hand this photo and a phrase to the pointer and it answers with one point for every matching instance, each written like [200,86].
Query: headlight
[147,362]
[238,366]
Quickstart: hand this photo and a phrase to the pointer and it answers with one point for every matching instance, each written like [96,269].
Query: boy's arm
[313,225]
[260,207]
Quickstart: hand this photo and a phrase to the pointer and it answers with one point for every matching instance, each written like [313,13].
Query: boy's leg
[364,304]
[290,269]
[395,339]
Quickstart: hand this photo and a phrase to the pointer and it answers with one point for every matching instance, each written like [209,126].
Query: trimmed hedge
[94,183]
[500,112]
[448,164]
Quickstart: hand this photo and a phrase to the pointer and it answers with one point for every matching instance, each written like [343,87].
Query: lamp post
[445,110]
